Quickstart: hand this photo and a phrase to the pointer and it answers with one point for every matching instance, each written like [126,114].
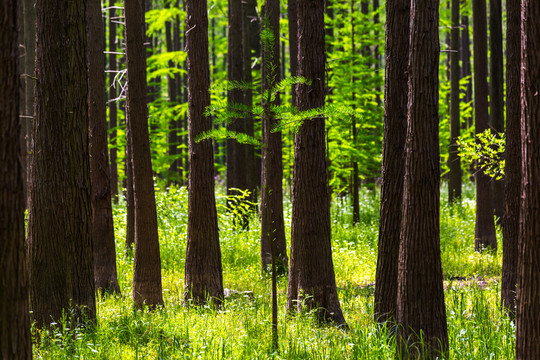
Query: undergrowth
[241,329]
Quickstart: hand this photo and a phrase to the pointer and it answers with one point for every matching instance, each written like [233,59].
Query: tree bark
[172,89]
[485,237]
[528,292]
[395,125]
[60,217]
[496,101]
[512,156]
[311,273]
[147,262]
[204,277]
[421,314]
[454,162]
[272,222]
[102,220]
[15,337]
[466,64]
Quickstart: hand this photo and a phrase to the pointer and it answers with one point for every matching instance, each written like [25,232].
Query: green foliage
[156,18]
[478,328]
[487,150]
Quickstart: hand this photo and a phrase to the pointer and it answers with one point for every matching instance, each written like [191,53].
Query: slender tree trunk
[466,63]
[147,262]
[512,156]
[204,277]
[311,274]
[172,89]
[528,292]
[355,184]
[454,162]
[130,200]
[102,220]
[496,101]
[15,337]
[421,313]
[485,237]
[272,222]
[293,43]
[395,125]
[113,112]
[59,225]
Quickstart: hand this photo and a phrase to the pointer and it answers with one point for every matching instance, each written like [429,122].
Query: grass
[477,326]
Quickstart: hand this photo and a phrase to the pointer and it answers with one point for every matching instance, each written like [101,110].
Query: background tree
[485,237]
[496,101]
[59,219]
[204,278]
[512,156]
[113,107]
[454,162]
[421,314]
[15,339]
[102,219]
[395,125]
[147,263]
[311,273]
[272,222]
[528,299]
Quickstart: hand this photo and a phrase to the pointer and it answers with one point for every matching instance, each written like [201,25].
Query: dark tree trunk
[496,106]
[528,292]
[15,338]
[311,273]
[113,117]
[512,156]
[102,220]
[60,217]
[466,63]
[147,263]
[421,313]
[272,223]
[204,278]
[485,237]
[395,125]
[130,200]
[454,162]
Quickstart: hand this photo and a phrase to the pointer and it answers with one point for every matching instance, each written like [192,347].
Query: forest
[269,179]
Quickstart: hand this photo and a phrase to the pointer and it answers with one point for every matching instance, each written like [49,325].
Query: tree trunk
[60,217]
[130,200]
[204,278]
[496,106]
[311,274]
[102,220]
[293,43]
[174,140]
[485,237]
[15,337]
[466,63]
[512,156]
[528,292]
[113,117]
[147,262]
[395,125]
[272,223]
[421,314]
[454,162]
[355,183]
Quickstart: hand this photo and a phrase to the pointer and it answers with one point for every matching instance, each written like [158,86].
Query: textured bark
[130,200]
[496,101]
[172,89]
[204,277]
[113,112]
[485,237]
[454,162]
[272,223]
[395,125]
[421,313]
[147,262]
[60,217]
[528,292]
[512,155]
[312,281]
[293,43]
[15,339]
[102,220]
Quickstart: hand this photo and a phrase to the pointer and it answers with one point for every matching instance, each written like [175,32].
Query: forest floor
[478,328]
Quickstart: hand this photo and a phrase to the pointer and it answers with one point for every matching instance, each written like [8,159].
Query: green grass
[478,328]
